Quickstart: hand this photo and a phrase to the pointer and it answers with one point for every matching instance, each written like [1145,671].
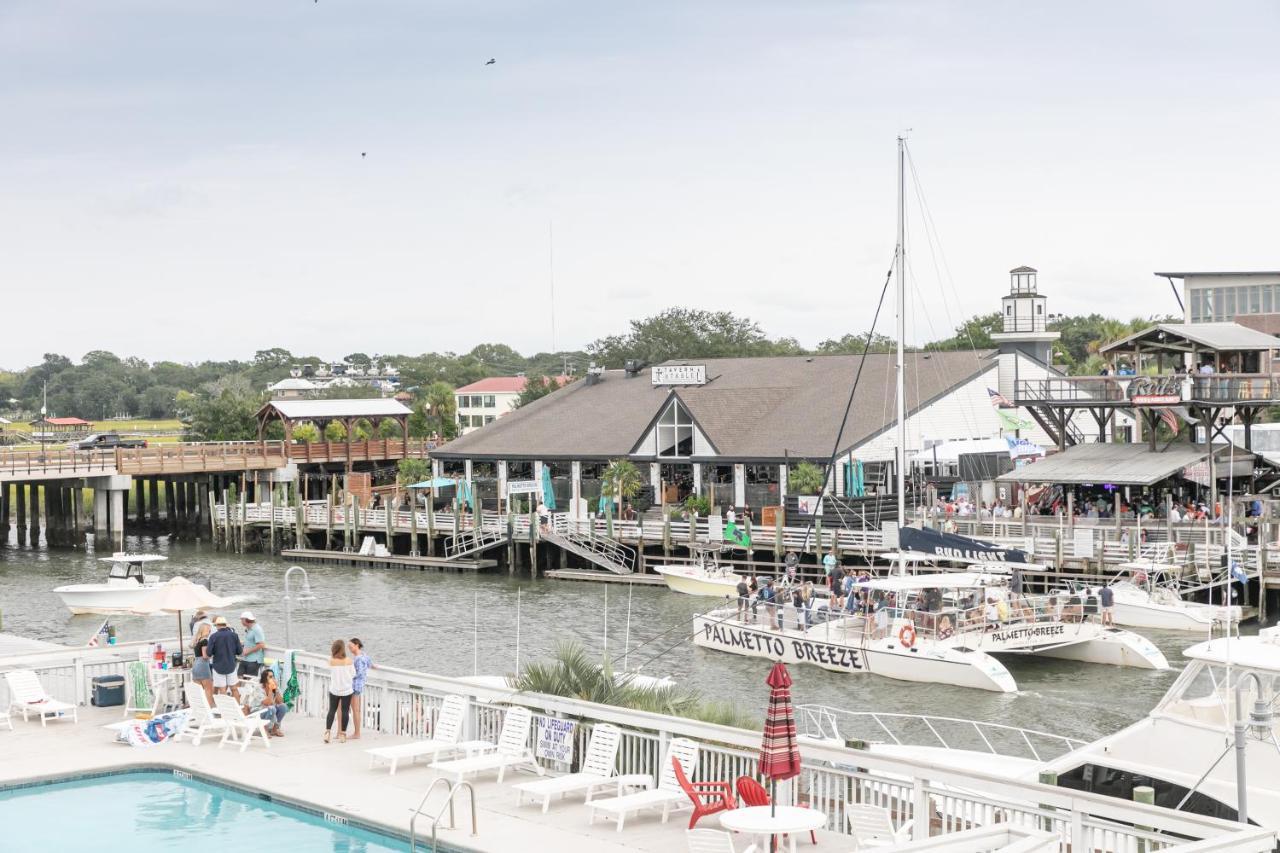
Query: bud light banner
[949,546]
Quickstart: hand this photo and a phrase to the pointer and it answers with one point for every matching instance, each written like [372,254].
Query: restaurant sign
[523,487]
[679,374]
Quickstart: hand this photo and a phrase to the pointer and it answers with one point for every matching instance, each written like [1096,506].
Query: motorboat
[1148,595]
[705,576]
[944,628]
[126,585]
[1181,748]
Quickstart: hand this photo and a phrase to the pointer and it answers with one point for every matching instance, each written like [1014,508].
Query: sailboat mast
[900,262]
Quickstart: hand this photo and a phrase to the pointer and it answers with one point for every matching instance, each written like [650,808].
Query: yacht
[1148,594]
[943,628]
[126,585]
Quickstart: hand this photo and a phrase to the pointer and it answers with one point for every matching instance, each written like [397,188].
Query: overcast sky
[184,180]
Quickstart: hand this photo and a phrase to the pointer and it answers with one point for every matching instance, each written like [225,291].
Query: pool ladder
[435,821]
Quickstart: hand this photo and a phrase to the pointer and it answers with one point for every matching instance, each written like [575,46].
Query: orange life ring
[907,636]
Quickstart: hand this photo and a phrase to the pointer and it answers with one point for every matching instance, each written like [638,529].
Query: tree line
[216,400]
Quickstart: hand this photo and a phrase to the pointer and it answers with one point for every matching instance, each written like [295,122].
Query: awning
[435,483]
[1119,464]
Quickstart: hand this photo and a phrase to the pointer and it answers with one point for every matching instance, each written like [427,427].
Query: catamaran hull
[1187,617]
[941,666]
[1113,647]
[692,584]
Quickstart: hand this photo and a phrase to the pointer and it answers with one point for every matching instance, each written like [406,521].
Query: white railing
[825,722]
[405,703]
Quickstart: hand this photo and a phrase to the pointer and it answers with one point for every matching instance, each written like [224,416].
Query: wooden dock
[393,561]
[603,577]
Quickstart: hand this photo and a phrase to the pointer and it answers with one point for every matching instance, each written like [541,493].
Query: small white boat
[1146,596]
[969,618]
[126,585]
[705,577]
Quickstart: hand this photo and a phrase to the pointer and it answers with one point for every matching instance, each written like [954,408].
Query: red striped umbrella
[779,752]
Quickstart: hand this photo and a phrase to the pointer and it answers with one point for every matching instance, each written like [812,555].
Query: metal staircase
[474,541]
[603,552]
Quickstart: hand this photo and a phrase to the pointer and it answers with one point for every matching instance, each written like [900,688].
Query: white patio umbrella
[176,595]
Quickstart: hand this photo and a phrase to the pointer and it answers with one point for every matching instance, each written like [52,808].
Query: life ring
[907,636]
[944,627]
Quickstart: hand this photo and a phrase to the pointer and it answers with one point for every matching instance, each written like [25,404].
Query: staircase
[1045,420]
[605,553]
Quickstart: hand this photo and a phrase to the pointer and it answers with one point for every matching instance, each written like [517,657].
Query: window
[488,419]
[462,401]
[489,401]
[1267,303]
[1039,310]
[675,431]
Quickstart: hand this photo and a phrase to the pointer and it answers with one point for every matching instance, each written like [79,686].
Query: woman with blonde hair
[202,668]
[341,675]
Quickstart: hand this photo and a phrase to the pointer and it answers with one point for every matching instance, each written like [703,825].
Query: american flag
[999,400]
[1170,419]
[100,636]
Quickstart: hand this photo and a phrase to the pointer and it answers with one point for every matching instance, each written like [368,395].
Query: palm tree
[621,480]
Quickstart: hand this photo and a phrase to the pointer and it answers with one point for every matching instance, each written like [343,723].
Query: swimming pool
[158,811]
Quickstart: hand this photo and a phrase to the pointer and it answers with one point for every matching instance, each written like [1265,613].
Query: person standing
[361,663]
[1107,598]
[744,599]
[201,671]
[769,598]
[224,650]
[341,675]
[255,645]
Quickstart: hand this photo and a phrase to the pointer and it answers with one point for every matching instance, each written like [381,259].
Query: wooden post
[328,521]
[778,549]
[271,523]
[6,490]
[226,518]
[33,499]
[511,540]
[140,502]
[22,515]
[77,530]
[212,500]
[817,536]
[170,507]
[242,519]
[153,502]
[533,543]
[414,549]
[390,527]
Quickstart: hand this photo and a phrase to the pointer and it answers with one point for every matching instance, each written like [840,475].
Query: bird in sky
[491,61]
[362,153]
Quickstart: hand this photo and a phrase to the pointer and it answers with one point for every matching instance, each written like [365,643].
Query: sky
[203,179]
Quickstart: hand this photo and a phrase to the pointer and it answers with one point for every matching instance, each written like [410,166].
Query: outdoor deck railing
[937,799]
[1220,388]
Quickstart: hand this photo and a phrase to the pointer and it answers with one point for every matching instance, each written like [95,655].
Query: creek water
[460,624]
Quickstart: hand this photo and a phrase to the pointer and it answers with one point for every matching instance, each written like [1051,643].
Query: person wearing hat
[255,645]
[223,650]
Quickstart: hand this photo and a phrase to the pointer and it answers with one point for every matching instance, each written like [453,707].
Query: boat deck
[336,778]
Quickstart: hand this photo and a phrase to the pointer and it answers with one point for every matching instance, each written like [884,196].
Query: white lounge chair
[240,727]
[511,750]
[709,841]
[872,826]
[202,719]
[446,738]
[666,796]
[28,696]
[596,772]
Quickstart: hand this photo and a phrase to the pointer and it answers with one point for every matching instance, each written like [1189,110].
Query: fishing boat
[943,628]
[1147,595]
[705,576]
[126,585]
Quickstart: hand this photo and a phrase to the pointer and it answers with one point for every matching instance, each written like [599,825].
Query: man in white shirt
[1174,516]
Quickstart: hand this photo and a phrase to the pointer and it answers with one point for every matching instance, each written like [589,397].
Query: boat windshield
[1205,694]
[125,571]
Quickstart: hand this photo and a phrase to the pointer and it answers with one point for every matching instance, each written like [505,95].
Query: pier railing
[937,800]
[1225,389]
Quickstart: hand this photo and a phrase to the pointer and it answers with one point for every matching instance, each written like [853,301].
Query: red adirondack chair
[708,797]
[752,793]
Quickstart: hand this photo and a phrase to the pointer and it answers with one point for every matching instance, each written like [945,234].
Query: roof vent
[594,372]
[632,367]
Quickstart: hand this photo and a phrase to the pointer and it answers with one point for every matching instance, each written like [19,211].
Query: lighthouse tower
[1024,330]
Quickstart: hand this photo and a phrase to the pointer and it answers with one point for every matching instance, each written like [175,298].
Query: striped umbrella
[779,752]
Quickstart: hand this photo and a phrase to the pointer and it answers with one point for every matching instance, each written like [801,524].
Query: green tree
[389,429]
[855,344]
[223,414]
[535,388]
[438,410]
[621,480]
[974,333]
[306,433]
[410,471]
[687,333]
[335,431]
[804,478]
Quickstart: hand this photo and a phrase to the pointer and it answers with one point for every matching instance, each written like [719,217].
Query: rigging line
[966,411]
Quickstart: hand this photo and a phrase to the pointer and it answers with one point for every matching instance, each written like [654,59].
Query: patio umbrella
[779,751]
[176,595]
[548,493]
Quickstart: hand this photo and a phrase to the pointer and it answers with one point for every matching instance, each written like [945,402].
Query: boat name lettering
[739,639]
[824,653]
[1028,632]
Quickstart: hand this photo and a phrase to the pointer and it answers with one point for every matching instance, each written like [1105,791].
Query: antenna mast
[900,262]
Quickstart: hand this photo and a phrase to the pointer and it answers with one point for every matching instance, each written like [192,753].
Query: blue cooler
[107,690]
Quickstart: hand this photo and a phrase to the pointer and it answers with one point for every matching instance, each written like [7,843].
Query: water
[158,813]
[426,621]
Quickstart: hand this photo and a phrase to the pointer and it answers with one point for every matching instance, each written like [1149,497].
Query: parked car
[107,441]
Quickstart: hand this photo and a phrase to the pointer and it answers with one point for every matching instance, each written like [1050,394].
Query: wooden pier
[391,561]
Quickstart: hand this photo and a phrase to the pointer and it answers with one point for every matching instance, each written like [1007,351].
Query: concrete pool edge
[170,770]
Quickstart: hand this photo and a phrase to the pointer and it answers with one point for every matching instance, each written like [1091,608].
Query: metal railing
[824,721]
[435,820]
[1166,389]
[406,703]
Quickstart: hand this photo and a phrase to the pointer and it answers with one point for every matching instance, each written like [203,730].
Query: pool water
[158,812]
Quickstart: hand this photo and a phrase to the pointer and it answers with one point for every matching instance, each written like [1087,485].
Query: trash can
[107,690]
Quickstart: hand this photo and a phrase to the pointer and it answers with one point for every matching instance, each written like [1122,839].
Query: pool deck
[336,778]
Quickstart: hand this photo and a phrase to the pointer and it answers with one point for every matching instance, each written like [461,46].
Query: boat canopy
[1260,652]
[910,557]
[1149,566]
[436,483]
[940,580]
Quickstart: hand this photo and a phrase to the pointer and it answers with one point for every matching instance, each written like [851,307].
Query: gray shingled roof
[750,408]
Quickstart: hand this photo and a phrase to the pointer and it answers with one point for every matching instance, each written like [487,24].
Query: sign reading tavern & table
[679,374]
[523,487]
